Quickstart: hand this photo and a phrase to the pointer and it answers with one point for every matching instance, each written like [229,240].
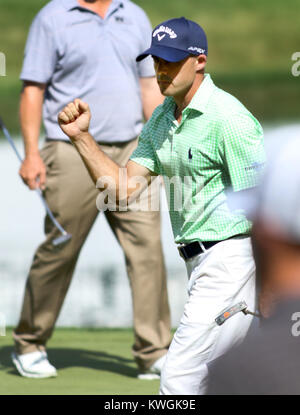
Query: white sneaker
[34,365]
[154,371]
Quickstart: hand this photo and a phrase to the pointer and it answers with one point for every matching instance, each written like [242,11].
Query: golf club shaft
[38,190]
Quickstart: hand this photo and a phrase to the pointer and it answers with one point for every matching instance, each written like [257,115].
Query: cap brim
[164,52]
[244,201]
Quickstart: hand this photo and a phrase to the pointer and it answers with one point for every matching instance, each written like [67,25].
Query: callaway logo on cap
[176,39]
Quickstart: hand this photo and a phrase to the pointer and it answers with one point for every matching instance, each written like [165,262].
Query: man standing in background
[88,49]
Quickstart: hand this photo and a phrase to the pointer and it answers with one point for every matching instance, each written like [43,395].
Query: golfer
[201,140]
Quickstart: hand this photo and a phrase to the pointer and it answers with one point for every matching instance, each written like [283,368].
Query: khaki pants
[71,196]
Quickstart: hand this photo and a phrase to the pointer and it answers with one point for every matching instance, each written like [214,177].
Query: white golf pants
[218,278]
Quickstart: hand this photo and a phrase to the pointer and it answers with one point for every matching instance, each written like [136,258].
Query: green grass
[250,47]
[89,362]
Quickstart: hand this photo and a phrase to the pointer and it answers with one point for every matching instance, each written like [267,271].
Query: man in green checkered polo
[202,141]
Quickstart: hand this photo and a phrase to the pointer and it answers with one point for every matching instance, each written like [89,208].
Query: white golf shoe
[154,371]
[34,365]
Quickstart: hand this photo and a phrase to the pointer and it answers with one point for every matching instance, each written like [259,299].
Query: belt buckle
[182,252]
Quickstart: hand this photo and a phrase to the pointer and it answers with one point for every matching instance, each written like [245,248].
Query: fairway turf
[88,361]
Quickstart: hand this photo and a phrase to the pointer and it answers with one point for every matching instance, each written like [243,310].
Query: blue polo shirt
[80,55]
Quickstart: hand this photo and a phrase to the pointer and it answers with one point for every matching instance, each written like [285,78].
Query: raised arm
[74,120]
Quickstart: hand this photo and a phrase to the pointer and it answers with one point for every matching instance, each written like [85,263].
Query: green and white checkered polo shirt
[218,144]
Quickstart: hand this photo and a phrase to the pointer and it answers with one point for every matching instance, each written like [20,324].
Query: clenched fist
[74,119]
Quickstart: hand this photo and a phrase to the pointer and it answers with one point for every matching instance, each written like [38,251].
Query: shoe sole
[26,374]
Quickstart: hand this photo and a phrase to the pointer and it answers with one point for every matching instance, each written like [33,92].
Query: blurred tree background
[250,47]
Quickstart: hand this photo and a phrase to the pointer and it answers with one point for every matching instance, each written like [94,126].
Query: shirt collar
[73,4]
[200,99]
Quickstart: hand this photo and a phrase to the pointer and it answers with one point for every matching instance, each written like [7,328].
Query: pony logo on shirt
[166,31]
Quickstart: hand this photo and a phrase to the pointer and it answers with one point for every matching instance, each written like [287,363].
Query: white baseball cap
[276,200]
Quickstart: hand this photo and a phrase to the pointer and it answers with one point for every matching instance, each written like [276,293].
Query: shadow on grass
[64,358]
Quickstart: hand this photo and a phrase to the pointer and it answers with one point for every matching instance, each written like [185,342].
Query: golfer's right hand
[74,119]
[33,172]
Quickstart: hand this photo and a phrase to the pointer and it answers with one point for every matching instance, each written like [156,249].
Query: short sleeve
[144,154]
[40,52]
[146,66]
[242,150]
